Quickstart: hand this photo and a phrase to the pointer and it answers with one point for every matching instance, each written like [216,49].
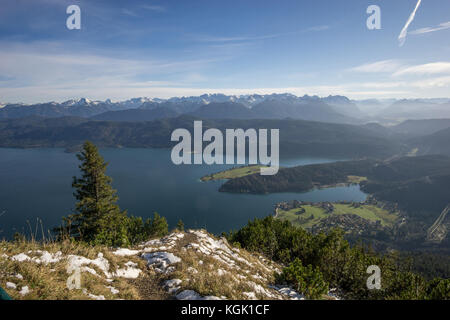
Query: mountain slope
[416,109]
[208,106]
[297,137]
[81,108]
[191,265]
[414,128]
[308,110]
[135,115]
[223,110]
[344,106]
[436,143]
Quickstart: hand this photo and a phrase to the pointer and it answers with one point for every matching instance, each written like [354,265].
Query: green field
[368,212]
[356,179]
[233,173]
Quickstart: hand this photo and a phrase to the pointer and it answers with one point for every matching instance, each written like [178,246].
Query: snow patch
[76,262]
[250,295]
[21,257]
[25,290]
[113,290]
[130,272]
[126,252]
[93,296]
[192,295]
[161,260]
[288,291]
[45,257]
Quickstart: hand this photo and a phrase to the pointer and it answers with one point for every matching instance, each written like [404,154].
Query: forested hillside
[297,137]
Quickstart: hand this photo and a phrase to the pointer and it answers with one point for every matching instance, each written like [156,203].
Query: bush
[439,289]
[308,280]
[330,259]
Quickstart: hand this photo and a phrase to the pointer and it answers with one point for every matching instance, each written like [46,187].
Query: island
[233,173]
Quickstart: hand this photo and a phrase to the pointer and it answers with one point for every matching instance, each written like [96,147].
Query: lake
[36,183]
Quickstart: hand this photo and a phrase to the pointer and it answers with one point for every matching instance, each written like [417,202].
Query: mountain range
[274,106]
[306,121]
[338,109]
[297,137]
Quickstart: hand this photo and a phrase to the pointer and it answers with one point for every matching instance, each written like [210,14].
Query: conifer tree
[97,218]
[159,227]
[180,225]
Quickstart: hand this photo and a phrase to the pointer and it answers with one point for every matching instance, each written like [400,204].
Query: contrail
[402,35]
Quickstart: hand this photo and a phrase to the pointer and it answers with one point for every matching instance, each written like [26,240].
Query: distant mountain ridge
[421,127]
[208,106]
[297,137]
[333,108]
[435,143]
[136,115]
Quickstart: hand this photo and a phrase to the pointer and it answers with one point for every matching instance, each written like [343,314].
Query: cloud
[56,71]
[439,82]
[206,38]
[404,32]
[55,68]
[318,28]
[153,8]
[425,69]
[379,66]
[129,13]
[118,88]
[441,26]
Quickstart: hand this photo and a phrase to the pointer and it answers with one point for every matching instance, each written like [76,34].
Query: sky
[162,49]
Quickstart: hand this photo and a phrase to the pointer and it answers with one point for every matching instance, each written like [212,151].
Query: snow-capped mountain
[247,100]
[289,105]
[263,106]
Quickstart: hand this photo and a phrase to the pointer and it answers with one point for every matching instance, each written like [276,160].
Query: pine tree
[98,218]
[159,227]
[180,225]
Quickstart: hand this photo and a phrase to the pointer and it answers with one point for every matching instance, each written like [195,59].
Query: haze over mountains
[333,125]
[336,109]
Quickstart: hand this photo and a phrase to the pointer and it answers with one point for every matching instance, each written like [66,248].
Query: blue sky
[187,47]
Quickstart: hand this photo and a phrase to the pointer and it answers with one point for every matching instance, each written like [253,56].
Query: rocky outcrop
[191,265]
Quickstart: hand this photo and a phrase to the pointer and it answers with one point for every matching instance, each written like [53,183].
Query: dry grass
[199,272]
[49,281]
[217,274]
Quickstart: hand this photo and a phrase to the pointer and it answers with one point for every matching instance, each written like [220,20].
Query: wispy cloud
[318,28]
[441,26]
[133,13]
[425,69]
[404,32]
[153,8]
[207,38]
[118,89]
[378,66]
[437,82]
[129,13]
[32,66]
[398,68]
